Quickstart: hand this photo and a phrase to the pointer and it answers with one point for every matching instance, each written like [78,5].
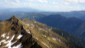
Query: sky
[45,5]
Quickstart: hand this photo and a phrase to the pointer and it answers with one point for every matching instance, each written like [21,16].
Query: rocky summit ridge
[17,33]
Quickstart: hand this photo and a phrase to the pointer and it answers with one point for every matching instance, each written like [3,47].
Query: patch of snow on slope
[3,35]
[18,46]
[9,42]
[19,36]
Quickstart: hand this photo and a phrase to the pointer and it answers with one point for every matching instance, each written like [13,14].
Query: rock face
[13,35]
[16,33]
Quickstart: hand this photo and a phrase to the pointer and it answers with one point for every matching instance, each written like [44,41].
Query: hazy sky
[47,5]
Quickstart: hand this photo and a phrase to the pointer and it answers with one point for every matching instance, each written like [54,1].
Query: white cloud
[17,1]
[43,1]
[44,4]
[82,1]
[75,1]
[25,3]
[13,3]
[40,1]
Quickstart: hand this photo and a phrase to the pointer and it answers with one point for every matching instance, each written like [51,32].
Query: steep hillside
[16,33]
[71,25]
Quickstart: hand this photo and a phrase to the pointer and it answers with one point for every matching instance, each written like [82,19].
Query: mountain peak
[13,18]
[16,33]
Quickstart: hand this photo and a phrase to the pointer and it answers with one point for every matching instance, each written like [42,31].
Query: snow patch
[7,37]
[19,36]
[3,41]
[3,35]
[18,46]
[9,43]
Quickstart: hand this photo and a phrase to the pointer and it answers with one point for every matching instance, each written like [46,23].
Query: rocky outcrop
[16,36]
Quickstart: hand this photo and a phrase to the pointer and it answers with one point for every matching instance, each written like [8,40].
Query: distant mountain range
[20,12]
[77,14]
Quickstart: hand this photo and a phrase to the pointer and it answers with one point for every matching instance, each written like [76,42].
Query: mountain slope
[16,33]
[71,25]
